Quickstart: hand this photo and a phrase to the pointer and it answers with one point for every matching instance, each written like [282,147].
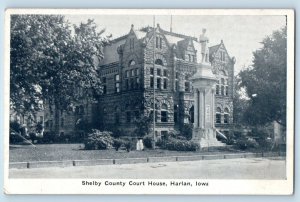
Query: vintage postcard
[149,101]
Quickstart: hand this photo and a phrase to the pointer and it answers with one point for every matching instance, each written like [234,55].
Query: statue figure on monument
[204,46]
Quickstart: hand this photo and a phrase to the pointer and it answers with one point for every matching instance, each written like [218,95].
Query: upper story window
[131,63]
[222,56]
[218,115]
[158,72]
[152,71]
[117,83]
[104,85]
[131,41]
[226,116]
[159,62]
[158,42]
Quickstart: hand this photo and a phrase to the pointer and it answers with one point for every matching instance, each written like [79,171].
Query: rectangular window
[190,59]
[104,89]
[137,72]
[218,118]
[217,89]
[151,71]
[187,86]
[131,41]
[177,85]
[151,82]
[117,77]
[158,83]
[165,72]
[126,84]
[164,116]
[127,74]
[137,82]
[177,75]
[132,83]
[117,88]
[132,72]
[128,117]
[226,90]
[160,43]
[157,38]
[226,118]
[158,72]
[165,83]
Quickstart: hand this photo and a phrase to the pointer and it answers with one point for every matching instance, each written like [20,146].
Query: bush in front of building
[148,141]
[128,145]
[181,145]
[98,140]
[118,143]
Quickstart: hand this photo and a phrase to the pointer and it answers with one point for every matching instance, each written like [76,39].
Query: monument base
[206,138]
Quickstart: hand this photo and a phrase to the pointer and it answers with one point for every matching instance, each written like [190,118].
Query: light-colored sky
[241,34]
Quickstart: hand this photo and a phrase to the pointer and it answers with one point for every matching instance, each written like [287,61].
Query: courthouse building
[140,61]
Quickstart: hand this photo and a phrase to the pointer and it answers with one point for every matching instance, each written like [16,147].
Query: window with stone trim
[164,113]
[151,71]
[131,63]
[158,84]
[117,83]
[159,62]
[175,113]
[187,86]
[104,85]
[226,116]
[165,85]
[151,82]
[131,41]
[218,115]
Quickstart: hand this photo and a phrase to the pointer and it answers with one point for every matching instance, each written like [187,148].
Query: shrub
[181,145]
[246,143]
[118,143]
[98,140]
[128,145]
[148,141]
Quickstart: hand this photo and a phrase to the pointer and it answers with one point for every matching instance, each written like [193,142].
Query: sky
[241,34]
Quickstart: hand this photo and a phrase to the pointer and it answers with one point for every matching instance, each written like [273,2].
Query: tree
[53,62]
[143,125]
[265,81]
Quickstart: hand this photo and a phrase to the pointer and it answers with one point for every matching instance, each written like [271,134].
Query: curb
[43,164]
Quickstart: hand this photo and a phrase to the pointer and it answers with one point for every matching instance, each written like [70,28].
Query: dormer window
[158,42]
[131,41]
[222,56]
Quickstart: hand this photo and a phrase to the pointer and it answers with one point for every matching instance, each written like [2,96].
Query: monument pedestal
[204,131]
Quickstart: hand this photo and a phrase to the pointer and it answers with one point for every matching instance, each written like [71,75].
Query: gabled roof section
[214,49]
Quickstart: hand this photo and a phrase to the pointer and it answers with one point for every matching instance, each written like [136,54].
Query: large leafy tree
[53,61]
[265,81]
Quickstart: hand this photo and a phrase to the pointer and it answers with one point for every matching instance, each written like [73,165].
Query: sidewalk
[197,157]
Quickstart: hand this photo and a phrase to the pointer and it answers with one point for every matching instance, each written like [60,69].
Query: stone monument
[203,81]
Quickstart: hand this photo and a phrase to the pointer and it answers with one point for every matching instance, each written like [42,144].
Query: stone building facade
[141,60]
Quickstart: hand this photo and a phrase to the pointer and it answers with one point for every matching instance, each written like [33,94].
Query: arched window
[218,115]
[226,115]
[159,62]
[164,113]
[131,63]
[191,113]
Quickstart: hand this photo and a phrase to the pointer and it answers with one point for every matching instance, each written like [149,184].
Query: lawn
[59,152]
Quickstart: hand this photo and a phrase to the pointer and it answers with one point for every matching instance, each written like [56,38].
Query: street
[242,168]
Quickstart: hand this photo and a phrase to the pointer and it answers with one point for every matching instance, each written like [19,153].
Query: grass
[60,152]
